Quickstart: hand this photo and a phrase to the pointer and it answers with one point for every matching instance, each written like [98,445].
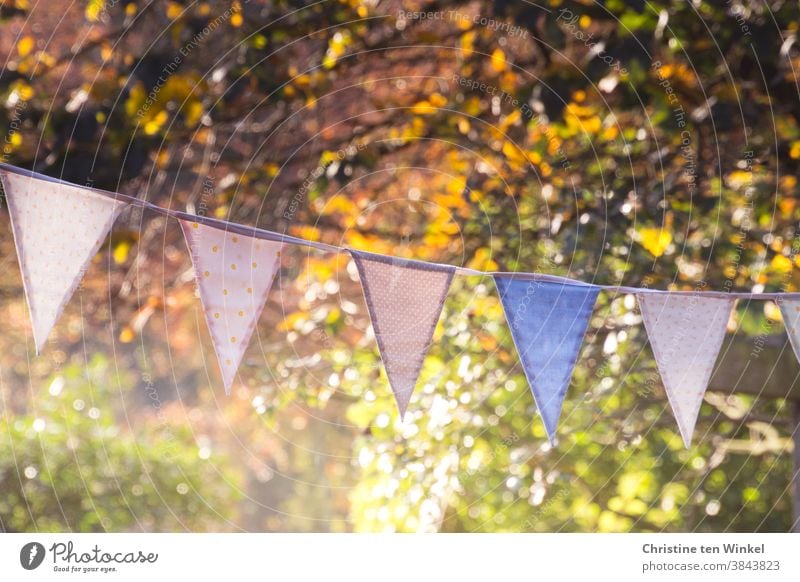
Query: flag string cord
[263,234]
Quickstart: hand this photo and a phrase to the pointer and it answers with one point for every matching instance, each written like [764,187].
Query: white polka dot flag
[686,333]
[790,312]
[58,229]
[404,299]
[234,275]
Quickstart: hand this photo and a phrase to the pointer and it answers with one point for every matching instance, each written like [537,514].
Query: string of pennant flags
[58,227]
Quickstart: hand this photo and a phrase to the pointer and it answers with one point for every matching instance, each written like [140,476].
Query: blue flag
[548,322]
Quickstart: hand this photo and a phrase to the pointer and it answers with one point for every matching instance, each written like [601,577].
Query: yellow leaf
[499,60]
[579,110]
[127,335]
[135,100]
[450,227]
[93,10]
[237,20]
[510,120]
[472,106]
[438,100]
[463,23]
[152,127]
[655,240]
[487,342]
[25,46]
[436,240]
[680,72]
[302,80]
[666,71]
[329,61]
[193,112]
[610,133]
[341,204]
[121,252]
[738,178]
[327,157]
[781,264]
[423,108]
[482,260]
[592,124]
[173,10]
[553,145]
[333,315]
[467,41]
[106,52]
[456,186]
[45,59]
[307,232]
[22,89]
[513,153]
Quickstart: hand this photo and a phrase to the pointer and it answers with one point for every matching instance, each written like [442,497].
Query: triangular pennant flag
[58,229]
[234,274]
[548,322]
[686,333]
[790,312]
[404,299]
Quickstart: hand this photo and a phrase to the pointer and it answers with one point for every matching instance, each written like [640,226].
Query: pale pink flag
[234,274]
[58,229]
[686,333]
[405,299]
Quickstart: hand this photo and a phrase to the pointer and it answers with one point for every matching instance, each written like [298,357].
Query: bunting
[234,274]
[404,299]
[686,333]
[58,229]
[548,322]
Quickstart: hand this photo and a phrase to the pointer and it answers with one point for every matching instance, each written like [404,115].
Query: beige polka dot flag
[686,333]
[790,312]
[58,229]
[404,299]
[234,275]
